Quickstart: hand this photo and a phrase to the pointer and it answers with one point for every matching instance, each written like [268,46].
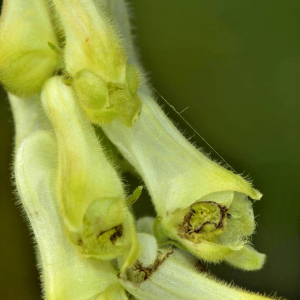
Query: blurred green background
[236,64]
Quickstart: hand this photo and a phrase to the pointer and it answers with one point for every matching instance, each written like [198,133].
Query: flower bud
[199,203]
[91,90]
[103,102]
[90,192]
[26,60]
[105,83]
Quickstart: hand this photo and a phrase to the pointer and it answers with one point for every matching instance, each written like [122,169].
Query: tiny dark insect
[229,216]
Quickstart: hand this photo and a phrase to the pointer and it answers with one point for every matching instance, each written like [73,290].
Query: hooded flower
[200,204]
[65,273]
[89,190]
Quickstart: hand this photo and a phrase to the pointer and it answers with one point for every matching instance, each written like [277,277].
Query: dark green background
[236,64]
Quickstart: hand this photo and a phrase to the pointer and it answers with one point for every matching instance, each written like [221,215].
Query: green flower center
[205,220]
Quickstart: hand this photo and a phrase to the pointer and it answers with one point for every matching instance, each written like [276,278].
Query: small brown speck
[148,271]
[201,268]
[118,233]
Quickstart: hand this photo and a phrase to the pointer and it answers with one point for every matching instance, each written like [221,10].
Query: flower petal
[90,192]
[66,274]
[184,183]
[247,259]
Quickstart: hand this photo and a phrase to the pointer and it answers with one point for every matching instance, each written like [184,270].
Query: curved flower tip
[247,258]
[26,60]
[90,192]
[132,251]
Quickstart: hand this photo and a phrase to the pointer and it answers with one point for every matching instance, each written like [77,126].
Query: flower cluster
[66,67]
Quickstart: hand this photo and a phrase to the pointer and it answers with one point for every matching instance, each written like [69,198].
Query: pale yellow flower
[193,196]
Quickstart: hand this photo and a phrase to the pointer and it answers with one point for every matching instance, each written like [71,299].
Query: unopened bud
[95,57]
[26,60]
